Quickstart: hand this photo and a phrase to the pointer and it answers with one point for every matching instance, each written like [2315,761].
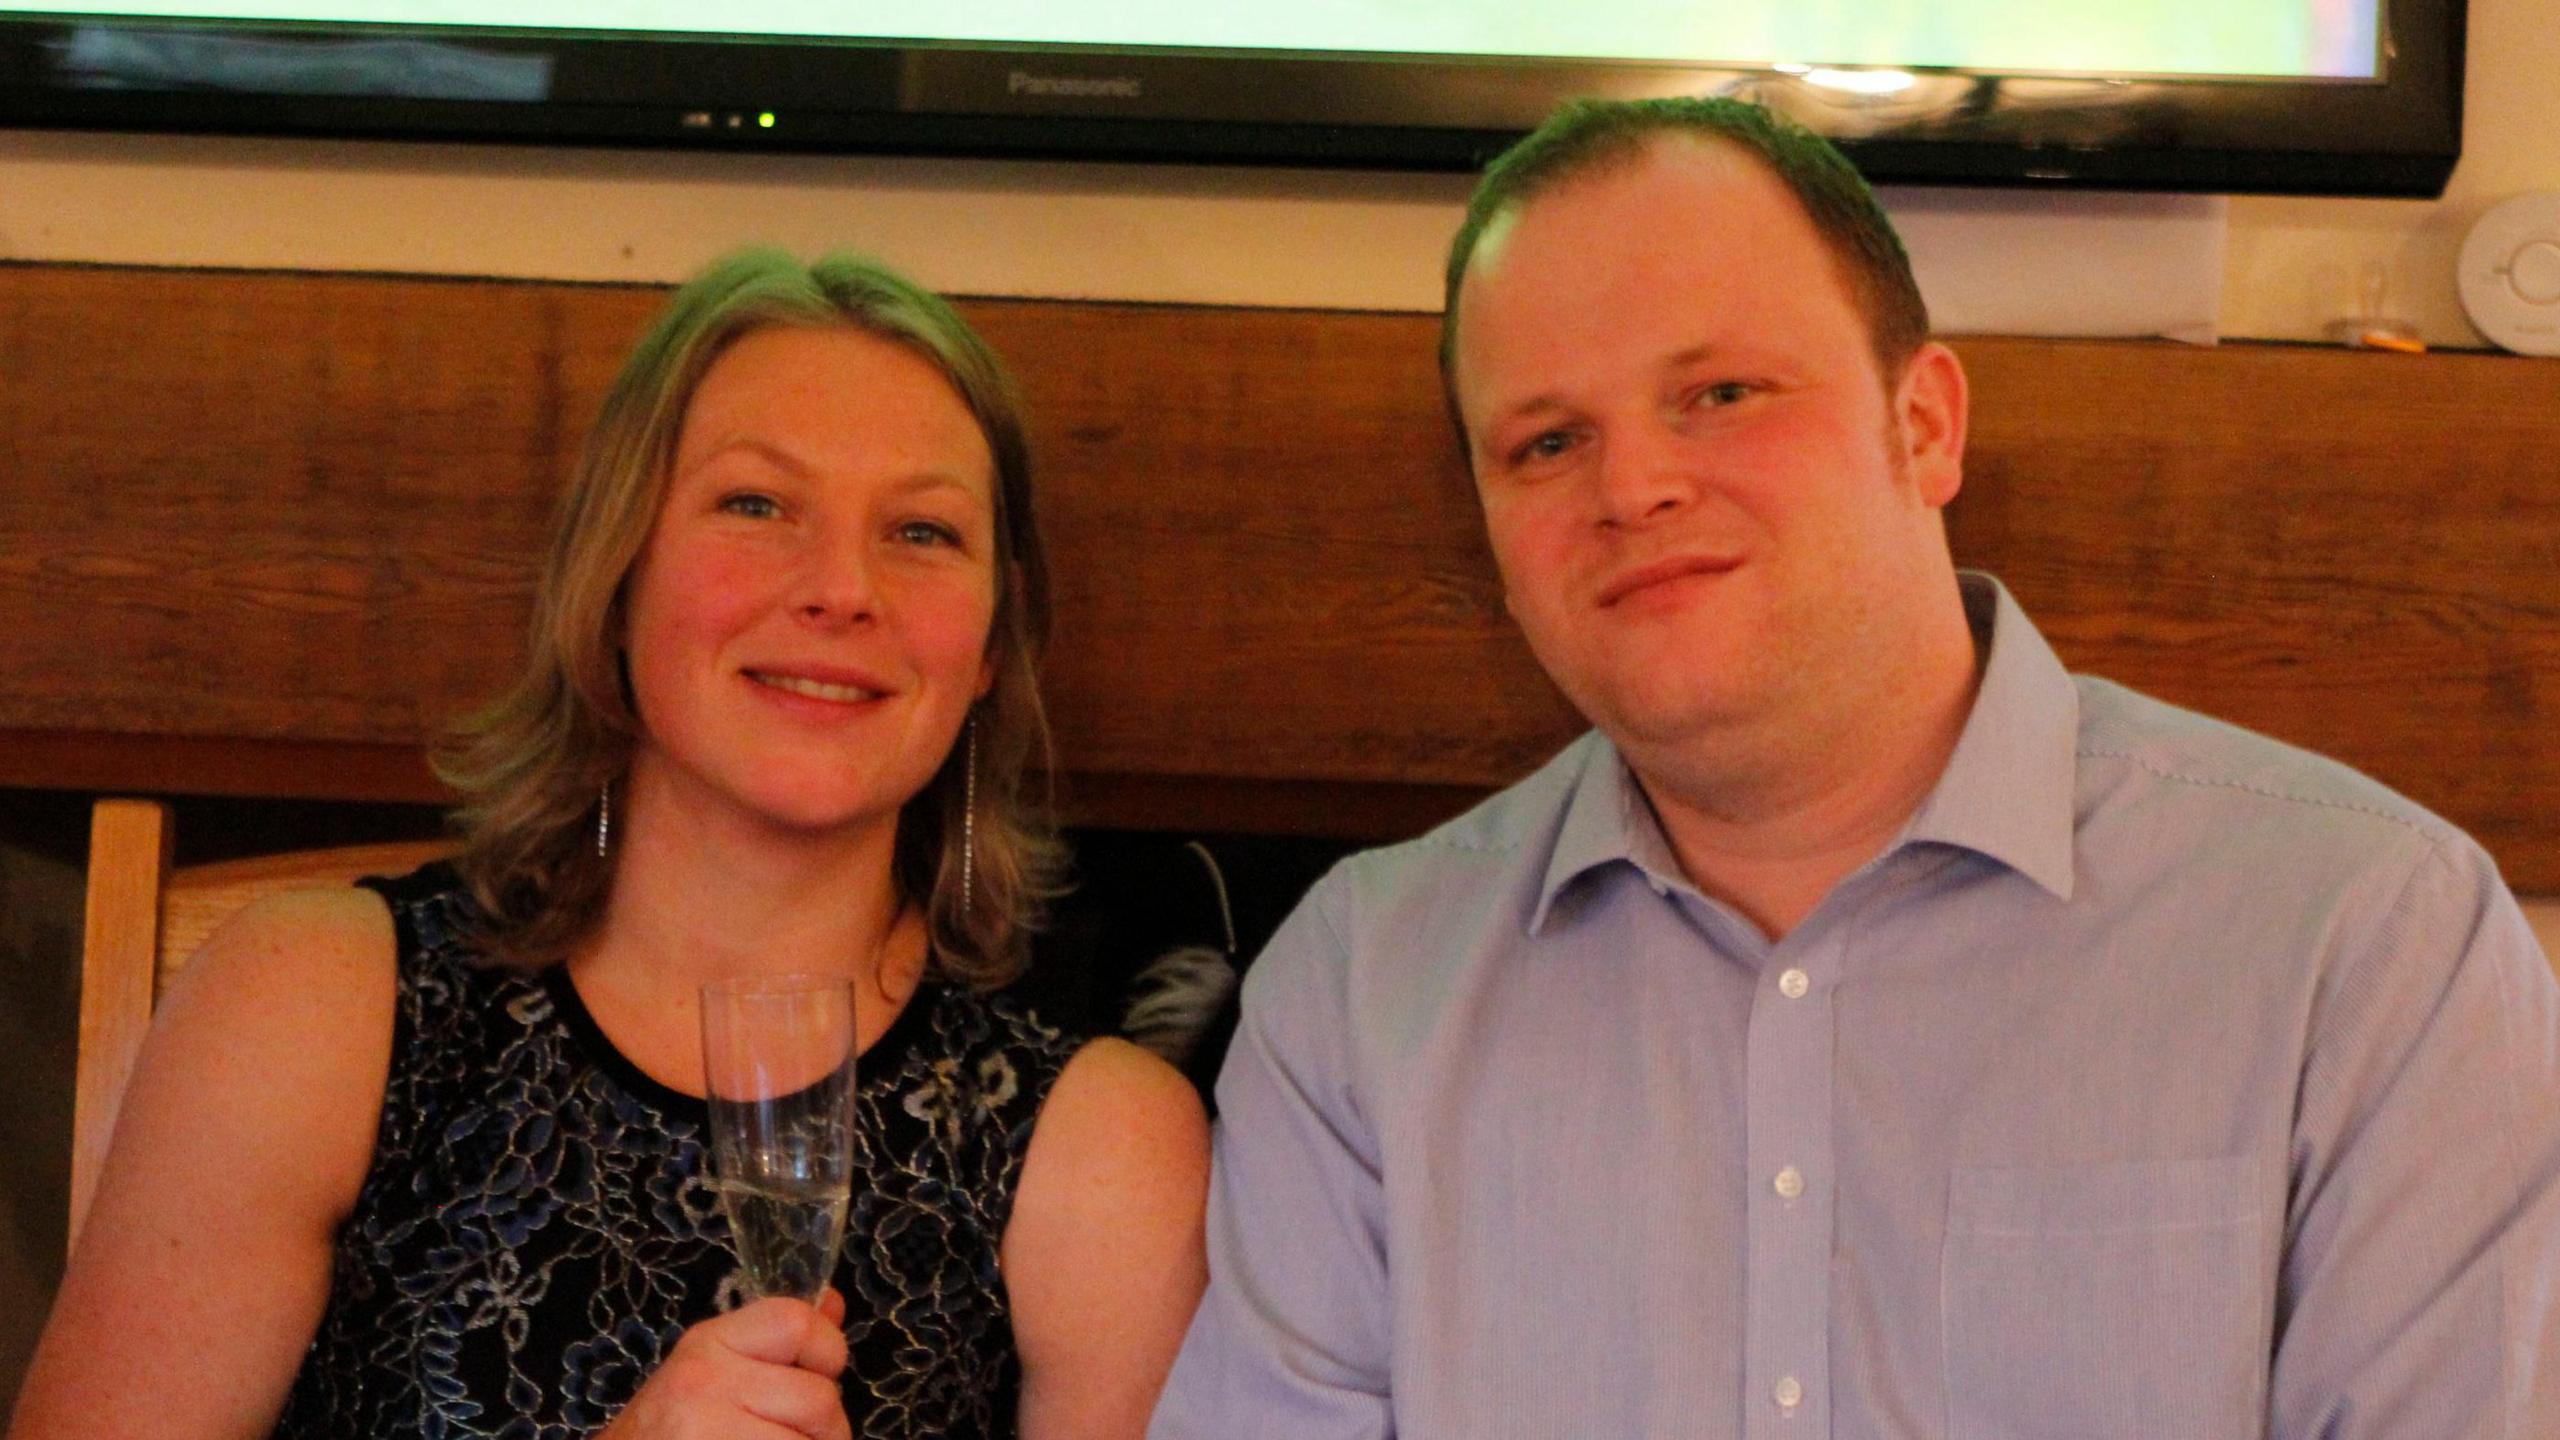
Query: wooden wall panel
[1270,558]
[255,506]
[2353,551]
[302,511]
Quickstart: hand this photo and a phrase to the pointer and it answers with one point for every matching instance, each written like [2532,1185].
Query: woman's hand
[765,1371]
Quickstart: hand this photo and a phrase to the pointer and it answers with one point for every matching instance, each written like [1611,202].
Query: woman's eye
[750,505]
[928,532]
[1725,392]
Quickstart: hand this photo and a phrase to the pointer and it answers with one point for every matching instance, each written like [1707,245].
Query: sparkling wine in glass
[777,1054]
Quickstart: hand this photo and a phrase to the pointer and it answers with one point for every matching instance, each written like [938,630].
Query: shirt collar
[1606,820]
[2008,792]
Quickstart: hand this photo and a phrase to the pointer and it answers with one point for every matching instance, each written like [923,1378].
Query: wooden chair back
[144,921]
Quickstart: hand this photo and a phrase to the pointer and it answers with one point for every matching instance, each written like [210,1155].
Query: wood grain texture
[302,512]
[272,768]
[2327,546]
[1269,560]
[128,863]
[253,507]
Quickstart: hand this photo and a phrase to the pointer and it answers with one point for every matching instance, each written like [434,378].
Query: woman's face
[807,623]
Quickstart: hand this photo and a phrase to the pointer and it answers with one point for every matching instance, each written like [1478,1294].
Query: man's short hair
[1587,136]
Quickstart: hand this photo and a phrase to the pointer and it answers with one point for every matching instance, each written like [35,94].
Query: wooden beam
[293,520]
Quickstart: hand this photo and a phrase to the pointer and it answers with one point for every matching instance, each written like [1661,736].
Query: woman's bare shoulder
[1119,1125]
[283,1019]
[1112,1074]
[286,959]
[318,920]
[240,1146]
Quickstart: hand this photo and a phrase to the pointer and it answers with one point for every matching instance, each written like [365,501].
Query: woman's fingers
[765,1371]
[822,1350]
[800,1401]
[781,1331]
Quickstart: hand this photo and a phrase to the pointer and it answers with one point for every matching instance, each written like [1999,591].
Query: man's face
[1709,508]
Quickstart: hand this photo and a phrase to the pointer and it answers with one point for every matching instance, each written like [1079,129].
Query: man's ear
[1930,407]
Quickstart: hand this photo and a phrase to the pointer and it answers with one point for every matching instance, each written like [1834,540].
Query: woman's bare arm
[1103,1258]
[204,1264]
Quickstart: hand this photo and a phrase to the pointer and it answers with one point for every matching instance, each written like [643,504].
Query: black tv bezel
[2398,136]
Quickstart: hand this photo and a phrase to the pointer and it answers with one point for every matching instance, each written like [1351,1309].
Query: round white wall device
[2510,274]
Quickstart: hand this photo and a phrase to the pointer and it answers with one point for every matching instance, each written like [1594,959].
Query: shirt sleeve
[1292,1338]
[2420,1292]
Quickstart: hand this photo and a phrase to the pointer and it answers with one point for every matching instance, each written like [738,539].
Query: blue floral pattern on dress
[539,1224]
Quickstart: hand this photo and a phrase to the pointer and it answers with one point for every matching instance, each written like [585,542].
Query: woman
[427,1159]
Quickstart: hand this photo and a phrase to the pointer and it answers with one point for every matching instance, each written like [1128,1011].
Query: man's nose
[1643,475]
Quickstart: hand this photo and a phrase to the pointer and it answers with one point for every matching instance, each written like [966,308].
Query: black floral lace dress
[539,1223]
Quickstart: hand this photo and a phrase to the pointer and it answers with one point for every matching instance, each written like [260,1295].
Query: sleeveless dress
[539,1222]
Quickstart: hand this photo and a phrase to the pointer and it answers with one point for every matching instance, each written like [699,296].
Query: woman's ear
[1008,590]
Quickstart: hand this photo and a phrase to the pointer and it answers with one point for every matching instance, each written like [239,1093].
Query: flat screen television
[2302,96]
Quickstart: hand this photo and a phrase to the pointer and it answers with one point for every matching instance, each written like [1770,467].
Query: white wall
[2293,263]
[1357,241]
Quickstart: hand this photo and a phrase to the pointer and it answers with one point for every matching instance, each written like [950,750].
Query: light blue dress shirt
[2159,1082]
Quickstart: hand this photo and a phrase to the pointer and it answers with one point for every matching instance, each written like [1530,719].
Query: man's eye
[1546,445]
[751,505]
[1726,392]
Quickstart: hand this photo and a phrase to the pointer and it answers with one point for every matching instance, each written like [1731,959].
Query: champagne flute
[777,1055]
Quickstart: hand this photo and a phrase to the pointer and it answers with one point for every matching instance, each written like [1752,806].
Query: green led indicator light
[765,120]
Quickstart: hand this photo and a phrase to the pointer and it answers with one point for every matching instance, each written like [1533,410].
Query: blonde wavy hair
[533,766]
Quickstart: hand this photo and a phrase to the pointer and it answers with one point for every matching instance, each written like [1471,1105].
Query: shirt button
[1789,1184]
[1793,984]
[1788,1393]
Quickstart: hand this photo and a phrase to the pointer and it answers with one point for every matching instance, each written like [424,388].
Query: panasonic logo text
[1074,87]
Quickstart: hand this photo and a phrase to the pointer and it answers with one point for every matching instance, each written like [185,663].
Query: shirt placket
[1788,1154]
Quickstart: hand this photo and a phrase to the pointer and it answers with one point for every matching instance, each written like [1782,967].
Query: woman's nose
[836,583]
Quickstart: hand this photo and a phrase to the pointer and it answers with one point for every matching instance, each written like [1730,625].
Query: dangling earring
[969,821]
[604,818]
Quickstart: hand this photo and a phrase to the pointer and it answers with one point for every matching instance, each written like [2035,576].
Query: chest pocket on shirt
[2106,1302]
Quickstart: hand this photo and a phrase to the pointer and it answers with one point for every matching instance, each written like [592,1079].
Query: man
[1869,1030]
